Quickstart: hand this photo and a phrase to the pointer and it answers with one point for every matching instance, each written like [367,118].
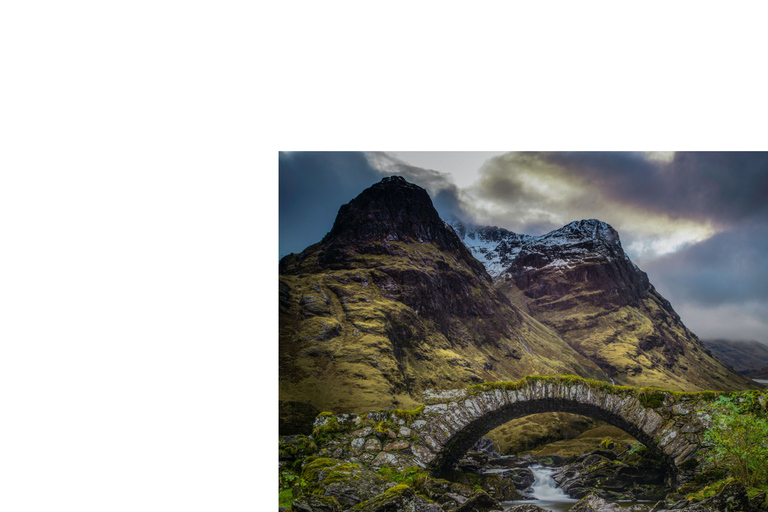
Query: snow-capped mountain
[579,281]
[498,248]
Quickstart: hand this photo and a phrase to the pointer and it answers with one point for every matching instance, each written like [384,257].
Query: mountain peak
[591,227]
[392,210]
[580,231]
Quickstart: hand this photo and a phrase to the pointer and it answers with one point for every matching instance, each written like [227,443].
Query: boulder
[522,478]
[450,501]
[594,503]
[500,488]
[527,508]
[733,497]
[611,478]
[551,460]
[472,462]
[434,488]
[480,501]
[314,503]
[400,498]
[348,484]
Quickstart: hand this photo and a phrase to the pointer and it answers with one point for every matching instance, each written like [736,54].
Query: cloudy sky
[697,223]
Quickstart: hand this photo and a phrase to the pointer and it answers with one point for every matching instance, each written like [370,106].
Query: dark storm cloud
[730,267]
[501,187]
[728,189]
[312,188]
[723,187]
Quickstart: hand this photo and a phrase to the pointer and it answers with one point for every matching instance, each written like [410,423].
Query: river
[546,495]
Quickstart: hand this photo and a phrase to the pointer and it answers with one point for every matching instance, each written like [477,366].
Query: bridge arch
[667,423]
[464,440]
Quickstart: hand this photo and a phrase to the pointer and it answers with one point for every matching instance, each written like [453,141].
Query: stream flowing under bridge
[671,424]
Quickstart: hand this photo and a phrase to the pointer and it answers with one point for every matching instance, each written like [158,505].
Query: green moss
[652,399]
[408,415]
[389,494]
[285,498]
[753,491]
[340,473]
[300,448]
[380,428]
[708,396]
[571,380]
[709,490]
[410,475]
[396,490]
[315,464]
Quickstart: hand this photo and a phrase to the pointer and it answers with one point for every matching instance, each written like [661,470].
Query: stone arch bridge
[437,435]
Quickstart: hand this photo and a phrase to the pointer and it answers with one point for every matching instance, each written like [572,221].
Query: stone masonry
[671,424]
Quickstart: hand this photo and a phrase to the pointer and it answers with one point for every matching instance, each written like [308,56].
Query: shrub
[739,440]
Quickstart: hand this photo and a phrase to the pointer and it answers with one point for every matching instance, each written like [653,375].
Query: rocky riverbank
[483,481]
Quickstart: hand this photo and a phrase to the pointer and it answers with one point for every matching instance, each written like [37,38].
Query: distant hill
[745,357]
[761,374]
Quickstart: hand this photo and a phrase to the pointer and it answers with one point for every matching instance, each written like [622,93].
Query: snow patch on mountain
[497,248]
[494,247]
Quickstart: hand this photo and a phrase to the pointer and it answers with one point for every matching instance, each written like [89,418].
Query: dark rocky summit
[392,210]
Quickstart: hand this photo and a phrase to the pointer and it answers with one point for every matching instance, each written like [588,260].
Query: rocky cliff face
[391,302]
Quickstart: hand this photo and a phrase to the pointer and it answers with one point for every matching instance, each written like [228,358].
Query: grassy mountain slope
[639,344]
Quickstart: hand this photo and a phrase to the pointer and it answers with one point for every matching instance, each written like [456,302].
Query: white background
[138,195]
